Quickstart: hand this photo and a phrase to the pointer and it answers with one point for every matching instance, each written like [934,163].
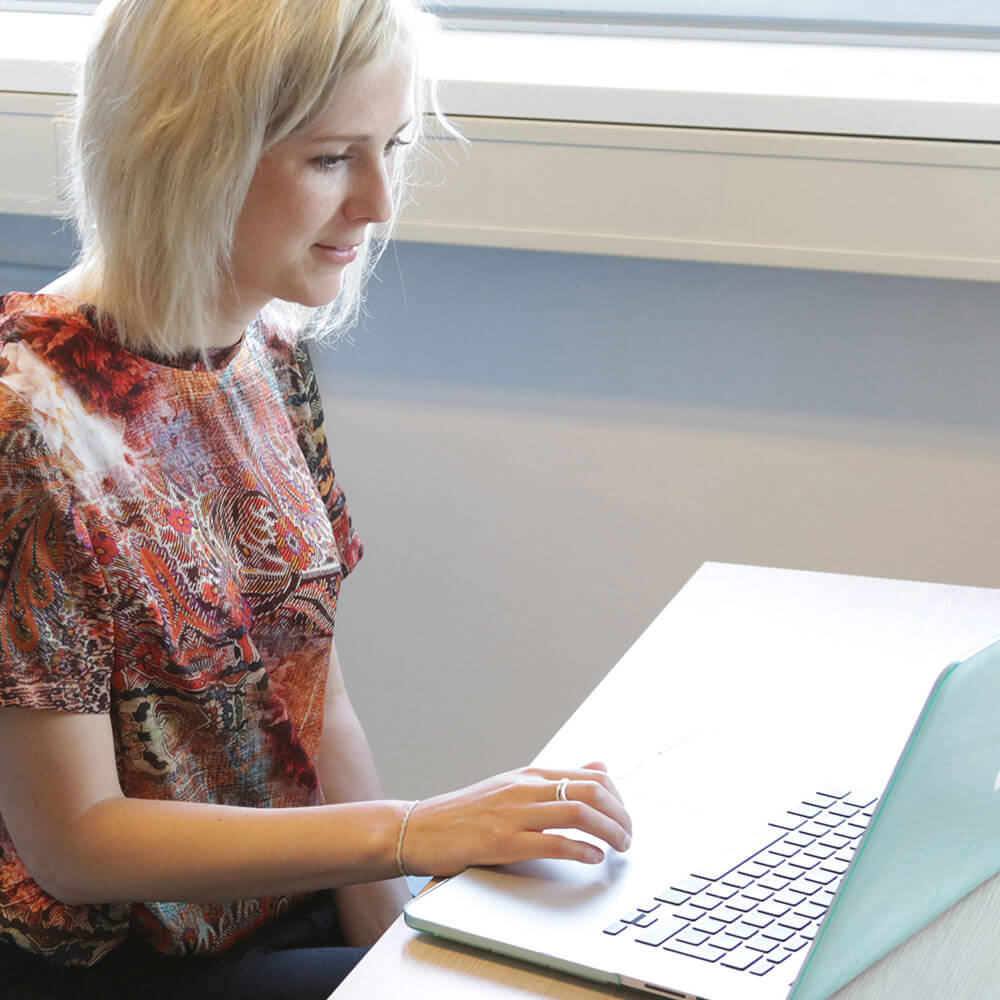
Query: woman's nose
[371,200]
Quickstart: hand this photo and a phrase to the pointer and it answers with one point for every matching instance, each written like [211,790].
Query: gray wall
[540,448]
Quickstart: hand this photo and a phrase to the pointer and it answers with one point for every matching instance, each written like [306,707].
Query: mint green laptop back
[934,837]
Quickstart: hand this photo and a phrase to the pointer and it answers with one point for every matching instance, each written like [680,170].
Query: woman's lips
[338,255]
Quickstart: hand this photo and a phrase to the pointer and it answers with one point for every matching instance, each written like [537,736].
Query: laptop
[759,871]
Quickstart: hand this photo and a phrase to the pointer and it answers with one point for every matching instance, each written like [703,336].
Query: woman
[182,777]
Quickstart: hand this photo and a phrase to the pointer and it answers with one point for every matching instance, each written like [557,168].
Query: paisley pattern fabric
[172,542]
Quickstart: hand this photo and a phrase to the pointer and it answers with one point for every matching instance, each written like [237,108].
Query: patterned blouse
[172,541]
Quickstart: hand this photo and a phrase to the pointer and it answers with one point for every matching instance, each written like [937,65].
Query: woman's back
[183,540]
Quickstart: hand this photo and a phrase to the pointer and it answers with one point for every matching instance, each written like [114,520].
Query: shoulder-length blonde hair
[179,99]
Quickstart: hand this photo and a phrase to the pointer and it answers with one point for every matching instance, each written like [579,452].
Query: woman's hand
[500,821]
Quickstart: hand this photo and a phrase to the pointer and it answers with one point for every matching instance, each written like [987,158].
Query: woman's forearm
[347,774]
[125,850]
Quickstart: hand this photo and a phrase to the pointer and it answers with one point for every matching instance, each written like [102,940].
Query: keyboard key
[828,821]
[788,822]
[726,915]
[688,913]
[836,840]
[803,862]
[818,852]
[834,793]
[630,918]
[616,928]
[806,811]
[736,880]
[704,902]
[673,896]
[785,849]
[649,907]
[772,883]
[777,956]
[861,801]
[799,839]
[789,870]
[690,884]
[742,904]
[741,958]
[742,930]
[753,869]
[647,920]
[769,858]
[835,866]
[760,969]
[712,873]
[762,944]
[708,925]
[773,909]
[844,811]
[788,898]
[809,934]
[756,893]
[702,951]
[778,933]
[720,891]
[811,911]
[654,937]
[820,877]
[794,922]
[758,919]
[804,887]
[691,937]
[812,829]
[796,944]
[725,942]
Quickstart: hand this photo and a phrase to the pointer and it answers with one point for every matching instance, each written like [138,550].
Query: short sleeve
[306,410]
[56,631]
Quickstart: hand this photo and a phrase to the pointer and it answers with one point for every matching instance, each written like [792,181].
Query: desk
[887,639]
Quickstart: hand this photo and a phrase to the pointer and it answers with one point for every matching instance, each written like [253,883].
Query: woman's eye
[327,162]
[393,143]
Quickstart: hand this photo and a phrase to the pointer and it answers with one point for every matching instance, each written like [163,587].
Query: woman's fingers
[552,845]
[580,816]
[503,819]
[586,785]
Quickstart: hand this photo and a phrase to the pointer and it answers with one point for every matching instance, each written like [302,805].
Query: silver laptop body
[720,818]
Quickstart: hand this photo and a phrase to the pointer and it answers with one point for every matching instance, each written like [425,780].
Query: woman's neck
[220,331]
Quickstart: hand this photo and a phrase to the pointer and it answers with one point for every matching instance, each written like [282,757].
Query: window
[954,19]
[974,22]
[51,6]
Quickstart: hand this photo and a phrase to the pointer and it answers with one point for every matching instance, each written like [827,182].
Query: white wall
[540,448]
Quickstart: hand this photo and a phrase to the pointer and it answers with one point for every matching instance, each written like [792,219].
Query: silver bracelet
[402,833]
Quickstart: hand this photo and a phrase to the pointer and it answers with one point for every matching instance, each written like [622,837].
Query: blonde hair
[178,101]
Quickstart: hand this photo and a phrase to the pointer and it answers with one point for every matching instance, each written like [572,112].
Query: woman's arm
[84,842]
[347,774]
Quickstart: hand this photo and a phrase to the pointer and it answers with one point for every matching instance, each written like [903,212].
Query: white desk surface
[767,637]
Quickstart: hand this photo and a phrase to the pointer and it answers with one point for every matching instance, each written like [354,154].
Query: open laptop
[758,872]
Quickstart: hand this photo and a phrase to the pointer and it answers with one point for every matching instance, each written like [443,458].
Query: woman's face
[315,194]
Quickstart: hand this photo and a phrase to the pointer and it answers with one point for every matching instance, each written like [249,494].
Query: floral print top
[172,542]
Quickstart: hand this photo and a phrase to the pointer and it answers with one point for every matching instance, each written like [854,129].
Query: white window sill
[696,83]
[830,156]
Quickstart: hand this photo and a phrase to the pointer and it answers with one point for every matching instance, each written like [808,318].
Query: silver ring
[561,795]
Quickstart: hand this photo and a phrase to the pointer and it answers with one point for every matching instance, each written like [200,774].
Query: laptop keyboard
[753,915]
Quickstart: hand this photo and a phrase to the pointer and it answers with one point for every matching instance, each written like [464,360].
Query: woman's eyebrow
[325,137]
